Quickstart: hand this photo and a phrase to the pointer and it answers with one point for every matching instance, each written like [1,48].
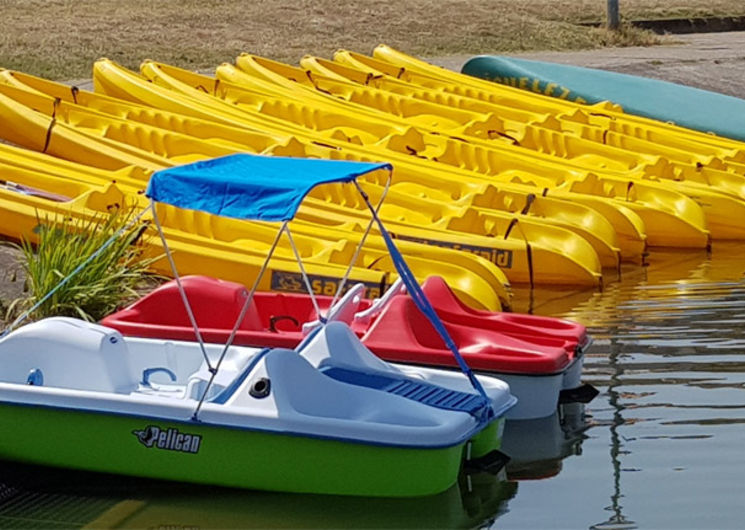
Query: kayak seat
[426,393]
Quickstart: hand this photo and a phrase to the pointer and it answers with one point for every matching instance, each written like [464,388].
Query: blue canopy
[263,188]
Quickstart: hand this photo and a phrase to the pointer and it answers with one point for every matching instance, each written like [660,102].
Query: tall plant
[108,281]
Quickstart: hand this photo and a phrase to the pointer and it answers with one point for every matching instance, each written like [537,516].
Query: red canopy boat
[524,350]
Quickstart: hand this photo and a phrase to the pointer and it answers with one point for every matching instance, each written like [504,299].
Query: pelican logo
[169,439]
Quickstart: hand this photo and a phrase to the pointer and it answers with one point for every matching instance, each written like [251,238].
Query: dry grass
[60,39]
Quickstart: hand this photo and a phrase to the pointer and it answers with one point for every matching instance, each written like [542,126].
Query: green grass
[61,39]
[110,279]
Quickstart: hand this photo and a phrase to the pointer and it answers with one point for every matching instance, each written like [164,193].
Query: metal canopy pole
[180,286]
[241,316]
[361,244]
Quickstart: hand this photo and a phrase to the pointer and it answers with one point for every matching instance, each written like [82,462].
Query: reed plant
[110,279]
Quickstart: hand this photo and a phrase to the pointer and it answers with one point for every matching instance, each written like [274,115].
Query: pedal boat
[328,417]
[539,357]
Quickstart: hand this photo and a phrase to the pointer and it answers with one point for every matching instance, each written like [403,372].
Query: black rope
[528,203]
[510,227]
[48,138]
[383,283]
[628,190]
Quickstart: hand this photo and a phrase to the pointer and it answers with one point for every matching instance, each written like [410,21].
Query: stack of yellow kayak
[543,189]
[612,166]
[551,245]
[282,108]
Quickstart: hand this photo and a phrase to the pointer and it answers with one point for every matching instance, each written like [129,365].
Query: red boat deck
[494,342]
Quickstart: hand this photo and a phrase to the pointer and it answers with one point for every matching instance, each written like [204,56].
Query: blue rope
[67,278]
[421,301]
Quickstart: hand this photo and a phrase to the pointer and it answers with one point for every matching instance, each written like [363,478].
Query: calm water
[662,446]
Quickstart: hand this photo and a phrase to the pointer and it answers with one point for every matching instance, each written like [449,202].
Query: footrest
[426,393]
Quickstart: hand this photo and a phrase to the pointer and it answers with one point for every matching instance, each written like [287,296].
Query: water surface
[663,447]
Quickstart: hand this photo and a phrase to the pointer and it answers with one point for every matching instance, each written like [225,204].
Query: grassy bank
[60,39]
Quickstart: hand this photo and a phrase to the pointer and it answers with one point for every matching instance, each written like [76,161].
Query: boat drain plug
[260,388]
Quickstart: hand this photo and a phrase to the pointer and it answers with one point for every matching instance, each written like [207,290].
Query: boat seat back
[215,304]
[335,344]
[68,353]
[444,300]
[343,310]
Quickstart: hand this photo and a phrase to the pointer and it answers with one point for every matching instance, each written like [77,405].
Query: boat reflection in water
[32,496]
[537,447]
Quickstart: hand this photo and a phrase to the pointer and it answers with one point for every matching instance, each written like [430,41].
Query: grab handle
[147,372]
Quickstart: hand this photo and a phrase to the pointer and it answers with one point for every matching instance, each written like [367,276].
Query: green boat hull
[201,453]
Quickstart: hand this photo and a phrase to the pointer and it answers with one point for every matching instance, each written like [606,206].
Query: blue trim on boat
[228,392]
[419,391]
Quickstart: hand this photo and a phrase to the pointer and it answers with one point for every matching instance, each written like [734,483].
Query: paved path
[711,61]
